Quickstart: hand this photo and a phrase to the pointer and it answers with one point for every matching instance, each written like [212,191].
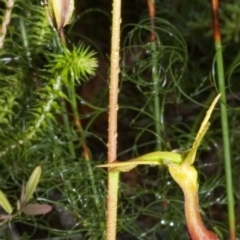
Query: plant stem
[224,120]
[67,128]
[157,111]
[86,153]
[155,76]
[25,40]
[113,176]
[77,121]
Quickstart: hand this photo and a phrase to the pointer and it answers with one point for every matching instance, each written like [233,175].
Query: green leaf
[5,203]
[32,183]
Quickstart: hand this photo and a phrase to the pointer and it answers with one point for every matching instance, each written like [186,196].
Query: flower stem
[113,176]
[224,120]
[155,75]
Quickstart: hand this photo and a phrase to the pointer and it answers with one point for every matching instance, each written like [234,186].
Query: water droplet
[171,224]
[44,3]
[152,165]
[158,196]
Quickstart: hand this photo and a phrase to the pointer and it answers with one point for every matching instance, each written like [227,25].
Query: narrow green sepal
[154,158]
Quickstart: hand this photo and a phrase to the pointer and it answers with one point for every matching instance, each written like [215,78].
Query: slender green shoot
[155,75]
[224,120]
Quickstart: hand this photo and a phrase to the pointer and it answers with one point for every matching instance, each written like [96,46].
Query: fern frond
[39,113]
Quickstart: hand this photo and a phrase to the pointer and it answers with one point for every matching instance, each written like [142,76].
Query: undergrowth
[47,89]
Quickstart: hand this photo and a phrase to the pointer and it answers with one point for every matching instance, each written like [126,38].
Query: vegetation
[54,118]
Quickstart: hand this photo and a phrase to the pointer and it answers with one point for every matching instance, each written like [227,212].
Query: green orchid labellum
[59,12]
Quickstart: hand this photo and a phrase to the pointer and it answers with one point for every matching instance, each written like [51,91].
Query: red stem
[216,28]
[152,12]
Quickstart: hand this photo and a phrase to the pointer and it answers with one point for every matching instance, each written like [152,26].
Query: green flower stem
[224,120]
[155,75]
[157,109]
[113,176]
[226,141]
[113,180]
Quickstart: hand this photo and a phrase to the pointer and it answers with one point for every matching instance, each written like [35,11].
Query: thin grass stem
[67,128]
[86,152]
